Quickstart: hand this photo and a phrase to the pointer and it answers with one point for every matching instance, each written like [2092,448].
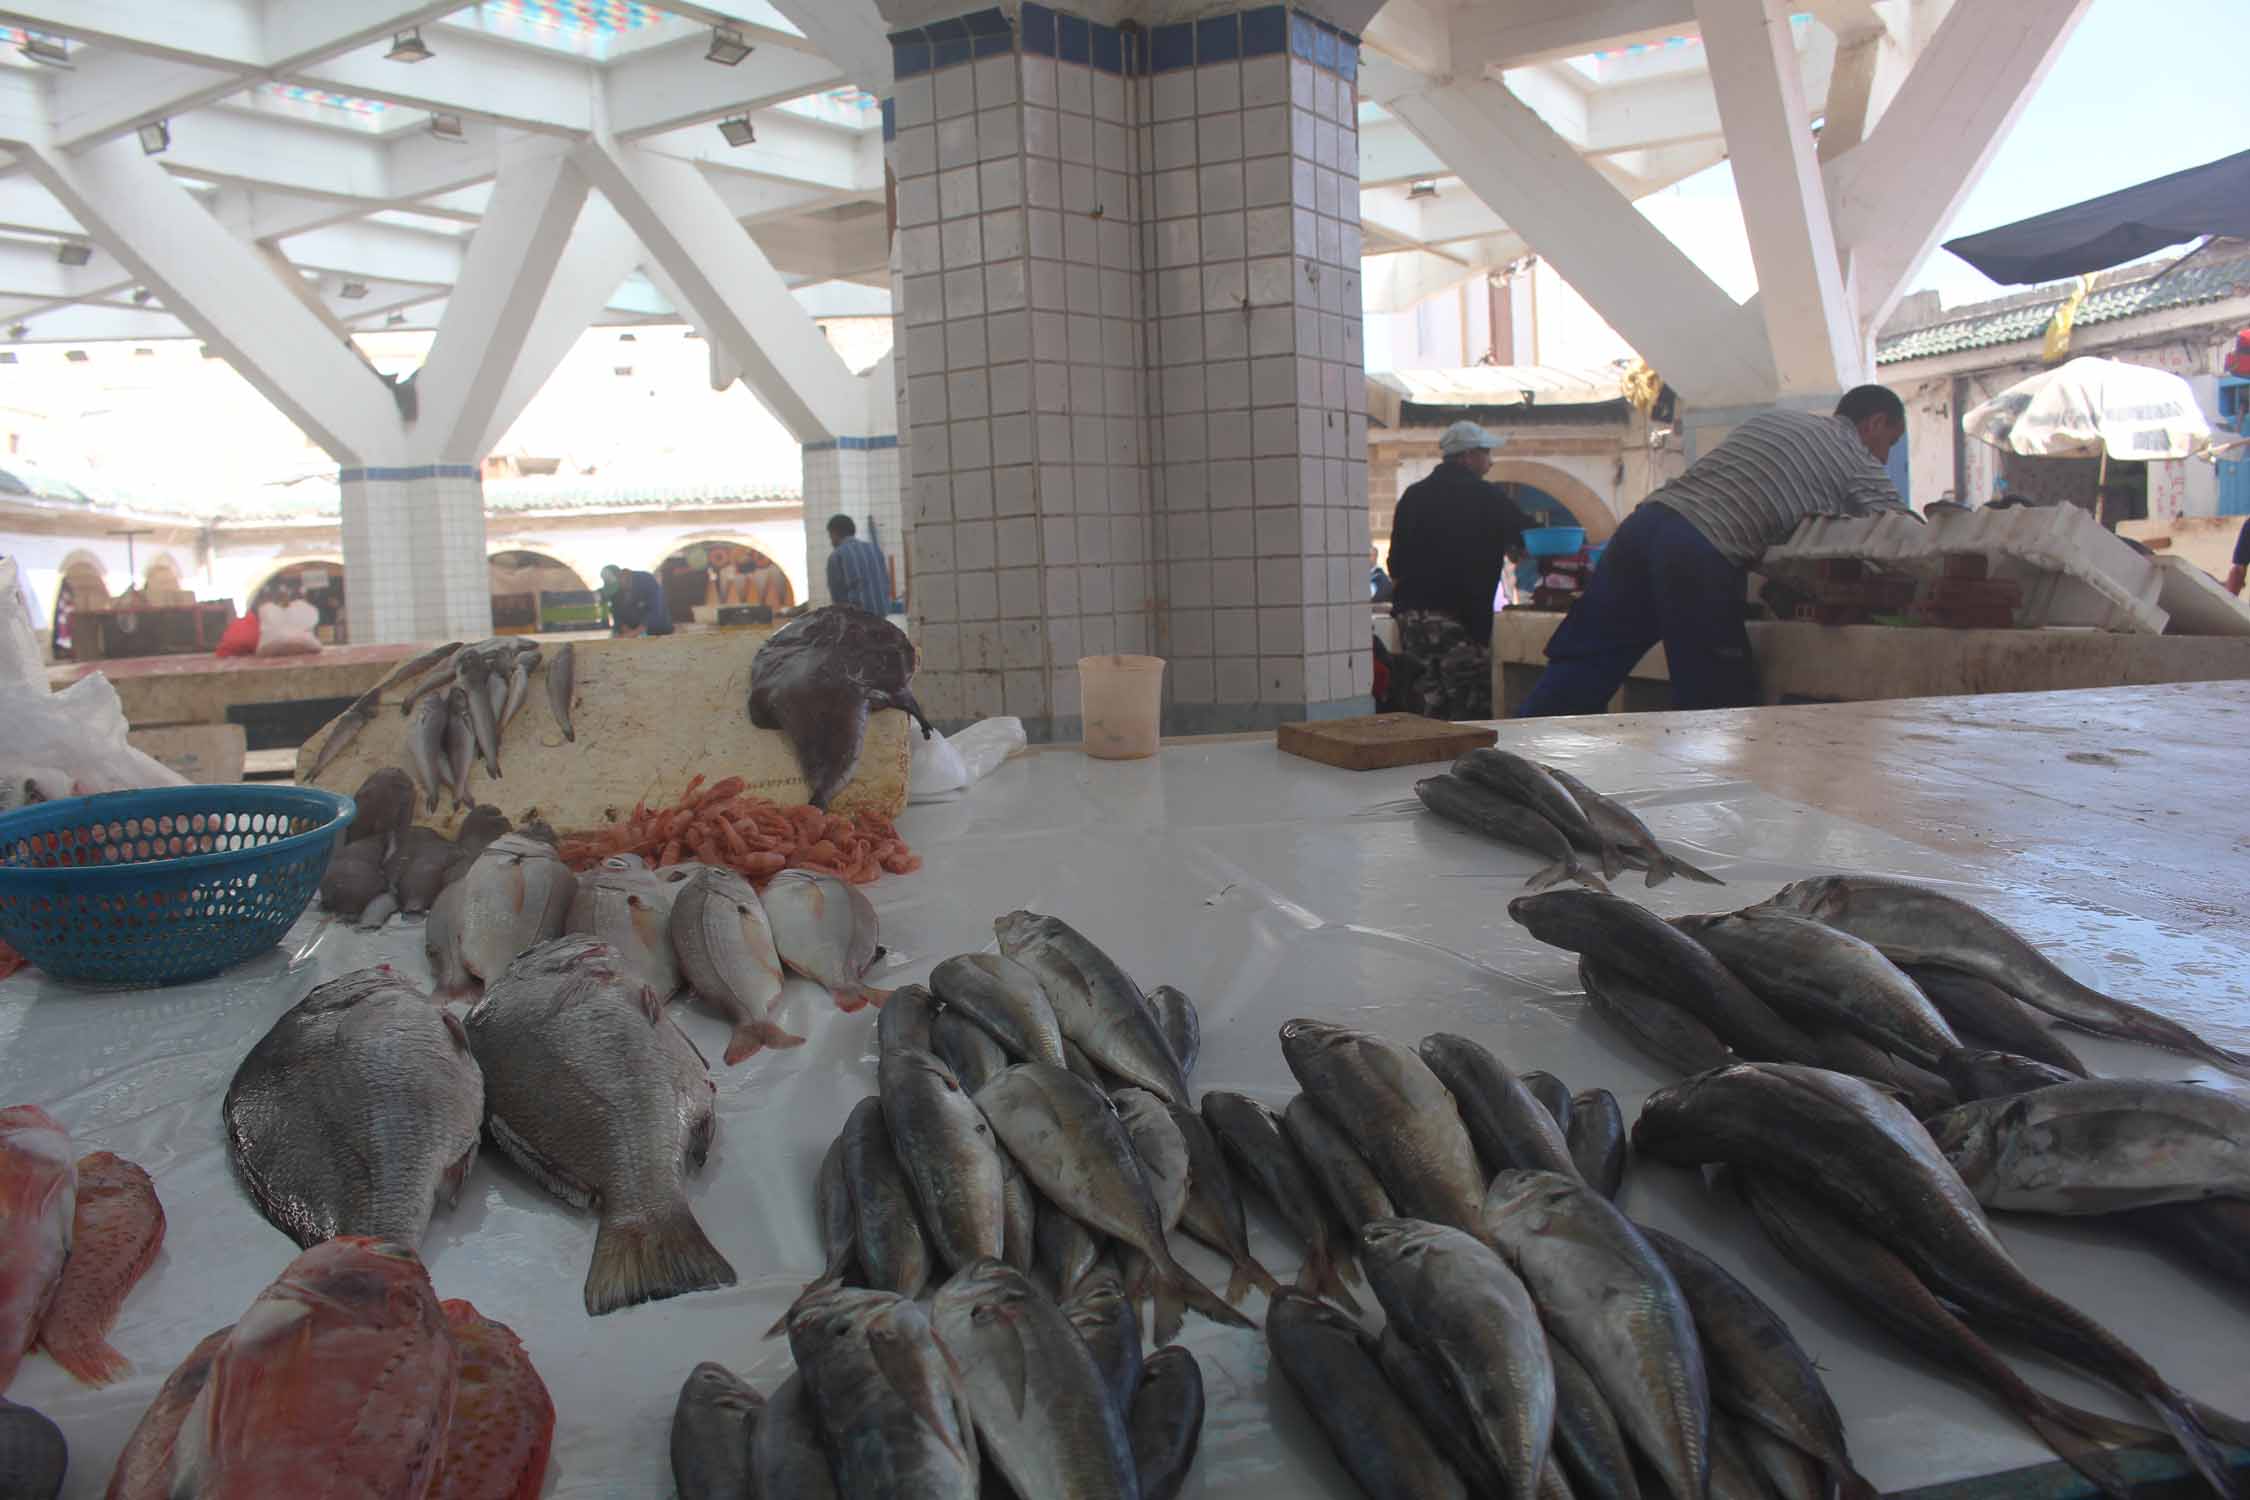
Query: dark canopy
[2116,227]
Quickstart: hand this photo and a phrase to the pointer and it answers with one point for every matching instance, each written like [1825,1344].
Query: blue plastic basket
[1554,541]
[165,886]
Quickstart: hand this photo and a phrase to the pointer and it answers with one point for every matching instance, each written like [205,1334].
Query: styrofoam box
[2198,603]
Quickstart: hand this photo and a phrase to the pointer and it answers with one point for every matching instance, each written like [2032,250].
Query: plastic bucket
[1121,700]
[1554,541]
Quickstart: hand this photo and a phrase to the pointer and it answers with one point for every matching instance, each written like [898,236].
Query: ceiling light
[353,290]
[75,356]
[738,131]
[51,50]
[408,47]
[1423,189]
[394,320]
[144,352]
[626,338]
[448,128]
[727,46]
[142,296]
[156,137]
[17,331]
[72,253]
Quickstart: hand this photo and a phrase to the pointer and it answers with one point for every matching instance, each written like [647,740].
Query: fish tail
[1587,878]
[1180,1283]
[1659,868]
[812,1288]
[1552,874]
[93,1361]
[1238,1283]
[2230,1430]
[645,1259]
[1169,1312]
[2184,1419]
[1677,866]
[1851,1484]
[1613,859]
[1261,1278]
[1323,1278]
[2220,1057]
[856,997]
[752,1037]
[2076,1450]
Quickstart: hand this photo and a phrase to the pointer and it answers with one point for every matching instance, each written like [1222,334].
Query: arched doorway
[319,581]
[1556,488]
[162,583]
[722,570]
[519,577]
[82,584]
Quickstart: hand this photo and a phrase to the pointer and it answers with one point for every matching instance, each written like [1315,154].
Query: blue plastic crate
[164,886]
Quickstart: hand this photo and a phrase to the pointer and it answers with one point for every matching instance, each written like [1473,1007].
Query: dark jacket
[1450,540]
[640,602]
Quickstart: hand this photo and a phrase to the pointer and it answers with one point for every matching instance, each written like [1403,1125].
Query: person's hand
[2234,579]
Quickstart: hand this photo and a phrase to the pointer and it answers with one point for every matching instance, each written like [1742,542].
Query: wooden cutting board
[1373,742]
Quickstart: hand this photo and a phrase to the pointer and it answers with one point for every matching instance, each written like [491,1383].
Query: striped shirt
[1772,472]
[857,574]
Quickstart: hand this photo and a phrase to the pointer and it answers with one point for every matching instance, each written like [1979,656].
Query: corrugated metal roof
[1503,385]
[2208,278]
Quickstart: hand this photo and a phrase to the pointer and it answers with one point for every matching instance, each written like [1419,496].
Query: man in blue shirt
[636,602]
[857,572]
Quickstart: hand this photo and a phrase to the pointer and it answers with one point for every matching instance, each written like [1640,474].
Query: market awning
[2213,199]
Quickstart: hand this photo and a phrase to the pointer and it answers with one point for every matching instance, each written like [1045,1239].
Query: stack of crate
[1845,591]
[1967,597]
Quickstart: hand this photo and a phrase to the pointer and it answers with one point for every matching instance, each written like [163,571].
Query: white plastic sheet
[1265,886]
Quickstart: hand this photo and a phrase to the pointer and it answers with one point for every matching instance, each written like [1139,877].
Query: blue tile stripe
[853,444]
[424,471]
[1261,31]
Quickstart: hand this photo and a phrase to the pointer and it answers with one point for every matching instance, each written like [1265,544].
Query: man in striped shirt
[857,572]
[1676,571]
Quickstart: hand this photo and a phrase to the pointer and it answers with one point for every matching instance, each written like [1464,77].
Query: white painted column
[414,562]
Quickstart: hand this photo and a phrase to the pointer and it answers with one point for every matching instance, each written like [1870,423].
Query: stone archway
[728,548]
[1584,502]
[527,569]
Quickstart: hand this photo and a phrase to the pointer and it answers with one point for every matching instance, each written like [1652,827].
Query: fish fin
[646,1259]
[753,1037]
[1551,875]
[92,1363]
[450,1184]
[1169,1312]
[854,998]
[2231,1430]
[1238,1284]
[1852,1485]
[1319,1276]
[1686,871]
[457,1031]
[2108,1430]
[1010,1357]
[2086,1457]
[1660,869]
[1261,1278]
[1347,1268]
[1613,859]
[2185,1420]
[376,912]
[1176,1279]
[905,1373]
[1587,878]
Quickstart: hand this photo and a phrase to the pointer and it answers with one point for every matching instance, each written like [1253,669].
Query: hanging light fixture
[352,290]
[1422,189]
[74,253]
[727,47]
[408,47]
[394,320]
[448,128]
[156,137]
[18,331]
[142,296]
[52,51]
[738,131]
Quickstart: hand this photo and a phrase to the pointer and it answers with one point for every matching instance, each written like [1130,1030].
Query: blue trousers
[1659,580]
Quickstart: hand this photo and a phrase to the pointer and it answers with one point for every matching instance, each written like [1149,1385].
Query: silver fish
[1823,977]
[788,1457]
[1505,1117]
[1976,1074]
[964,1046]
[458,750]
[562,674]
[1616,822]
[1160,1146]
[1253,1140]
[1335,1163]
[1591,1444]
[1166,1421]
[1375,1435]
[1451,1427]
[1980,1012]
[895,1419]
[353,720]
[726,952]
[425,750]
[714,1424]
[2099,1145]
[597,1094]
[1044,1414]
[945,1146]
[1105,1319]
[515,896]
[908,1022]
[1539,789]
[825,929]
[1213,1212]
[1396,1112]
[476,677]
[357,1113]
[894,1251]
[1065,1253]
[1004,998]
[625,906]
[1486,812]
[1597,1140]
[1096,1003]
[1661,1029]
[1182,1025]
[519,686]
[437,670]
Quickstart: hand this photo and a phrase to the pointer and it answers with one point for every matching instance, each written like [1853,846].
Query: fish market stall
[1268,888]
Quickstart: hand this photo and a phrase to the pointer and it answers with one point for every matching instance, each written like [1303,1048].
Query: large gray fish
[384,805]
[1995,1075]
[1004,998]
[1396,1112]
[1252,1138]
[425,750]
[1863,1153]
[714,1425]
[1587,1438]
[1465,1310]
[1484,811]
[1160,1146]
[1506,1121]
[726,951]
[788,1456]
[1609,1297]
[419,866]
[1915,925]
[2099,1145]
[908,1023]
[1597,1140]
[1065,1253]
[562,674]
[1181,1023]
[357,1113]
[894,1251]
[825,929]
[1553,1095]
[839,1222]
[627,907]
[1661,1029]
[458,748]
[354,878]
[1374,1434]
[1095,1002]
[1070,1143]
[476,679]
[945,1146]
[1335,1163]
[893,1414]
[595,1092]
[1980,1011]
[1925,1092]
[1213,1212]
[1104,1317]
[1165,1422]
[1445,1418]
[514,897]
[1044,1414]
[1616,822]
[1821,977]
[964,1046]
[1539,789]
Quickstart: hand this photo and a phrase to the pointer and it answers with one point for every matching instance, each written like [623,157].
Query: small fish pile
[1551,813]
[818,677]
[347,1365]
[389,863]
[465,697]
[721,825]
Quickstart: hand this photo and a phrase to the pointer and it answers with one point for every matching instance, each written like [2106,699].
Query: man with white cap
[1451,539]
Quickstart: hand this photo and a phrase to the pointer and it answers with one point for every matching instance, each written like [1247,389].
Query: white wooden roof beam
[850,33]
[1517,33]
[673,87]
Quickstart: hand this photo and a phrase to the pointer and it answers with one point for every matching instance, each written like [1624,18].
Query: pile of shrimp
[719,825]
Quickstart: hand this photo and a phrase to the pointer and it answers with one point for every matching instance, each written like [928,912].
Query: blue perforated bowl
[164,886]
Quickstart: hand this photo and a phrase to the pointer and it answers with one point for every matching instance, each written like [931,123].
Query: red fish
[115,1234]
[144,1469]
[503,1421]
[38,1195]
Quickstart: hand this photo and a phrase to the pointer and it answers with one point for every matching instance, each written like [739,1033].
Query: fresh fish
[1465,1311]
[1510,1125]
[1445,1419]
[457,747]
[476,678]
[825,929]
[1993,1075]
[598,1095]
[1757,1370]
[1608,1296]
[562,673]
[2214,1233]
[1553,1096]
[1789,1473]
[908,1023]
[514,897]
[1213,1211]
[1182,1025]
[964,1046]
[1597,1140]
[787,1458]
[1915,925]
[895,1419]
[1396,1112]
[354,878]
[1064,1252]
[816,678]
[503,1422]
[1861,1152]
[1335,1163]
[378,911]
[357,1113]
[1532,785]
[1588,1440]
[1075,1150]
[1372,1431]
[1105,1319]
[1044,1413]
[1166,1421]
[2095,1146]
[1980,1011]
[725,948]
[1004,998]
[441,944]
[625,906]
[894,1252]
[1019,1215]
[1616,822]
[714,1425]
[385,806]
[945,1146]
[1822,977]
[38,1204]
[418,867]
[1076,1060]
[425,750]
[1095,1002]
[348,724]
[1862,1272]
[1633,941]
[116,1230]
[348,1339]
[1735,1474]
[1484,811]
[443,660]
[1251,1136]
[145,1468]
[1924,1092]
[33,1456]
[519,687]
[1661,1029]
[483,824]
[1162,1150]
[839,1223]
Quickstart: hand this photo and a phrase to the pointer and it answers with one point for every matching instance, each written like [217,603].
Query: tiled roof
[2209,277]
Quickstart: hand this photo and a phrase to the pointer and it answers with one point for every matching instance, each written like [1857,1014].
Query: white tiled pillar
[415,538]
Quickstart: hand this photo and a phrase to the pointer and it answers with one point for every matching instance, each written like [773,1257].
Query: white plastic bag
[20,663]
[287,629]
[79,732]
[943,765]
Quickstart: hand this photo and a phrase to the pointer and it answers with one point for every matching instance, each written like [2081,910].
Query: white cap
[1462,436]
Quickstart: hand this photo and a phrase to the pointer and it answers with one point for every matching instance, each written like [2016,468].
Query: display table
[1269,887]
